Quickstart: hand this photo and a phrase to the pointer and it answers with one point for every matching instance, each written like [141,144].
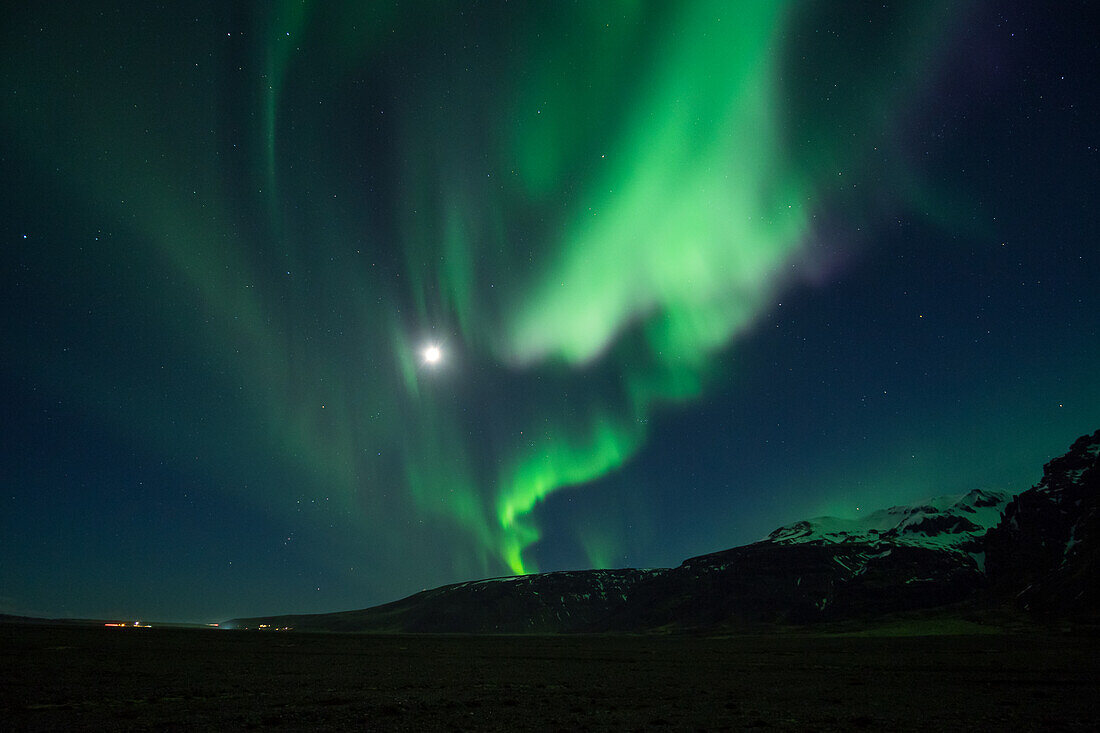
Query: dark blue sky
[691,281]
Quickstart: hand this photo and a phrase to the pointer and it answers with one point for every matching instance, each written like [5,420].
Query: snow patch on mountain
[944,522]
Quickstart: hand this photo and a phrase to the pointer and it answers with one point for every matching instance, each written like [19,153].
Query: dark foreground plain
[73,678]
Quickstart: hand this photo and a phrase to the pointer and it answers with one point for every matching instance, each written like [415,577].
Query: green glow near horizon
[557,462]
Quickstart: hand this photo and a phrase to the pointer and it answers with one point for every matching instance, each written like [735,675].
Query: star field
[309,306]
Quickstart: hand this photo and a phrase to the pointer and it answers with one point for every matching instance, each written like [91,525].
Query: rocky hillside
[1046,553]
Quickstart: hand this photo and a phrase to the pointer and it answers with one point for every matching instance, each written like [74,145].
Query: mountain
[902,558]
[898,559]
[1042,553]
[1046,553]
[945,522]
[566,601]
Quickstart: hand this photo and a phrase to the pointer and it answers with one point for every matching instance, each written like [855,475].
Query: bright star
[432,354]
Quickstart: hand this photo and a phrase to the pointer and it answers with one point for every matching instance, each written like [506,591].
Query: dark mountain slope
[539,603]
[1045,554]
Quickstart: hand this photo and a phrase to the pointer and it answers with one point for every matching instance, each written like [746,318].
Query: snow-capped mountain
[907,557]
[955,522]
[1044,553]
[901,558]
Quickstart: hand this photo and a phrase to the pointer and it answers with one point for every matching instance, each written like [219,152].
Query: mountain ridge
[982,545]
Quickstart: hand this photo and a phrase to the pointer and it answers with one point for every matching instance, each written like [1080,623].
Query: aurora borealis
[693,270]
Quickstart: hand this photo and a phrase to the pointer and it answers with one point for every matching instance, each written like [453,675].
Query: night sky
[693,271]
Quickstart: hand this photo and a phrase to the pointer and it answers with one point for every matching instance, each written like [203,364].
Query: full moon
[432,355]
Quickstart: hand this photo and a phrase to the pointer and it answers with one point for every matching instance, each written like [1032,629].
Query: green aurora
[623,204]
[682,218]
[587,206]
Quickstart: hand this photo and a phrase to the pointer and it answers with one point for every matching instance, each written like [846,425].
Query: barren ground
[60,678]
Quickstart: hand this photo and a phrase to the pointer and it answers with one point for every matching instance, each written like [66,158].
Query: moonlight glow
[432,354]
